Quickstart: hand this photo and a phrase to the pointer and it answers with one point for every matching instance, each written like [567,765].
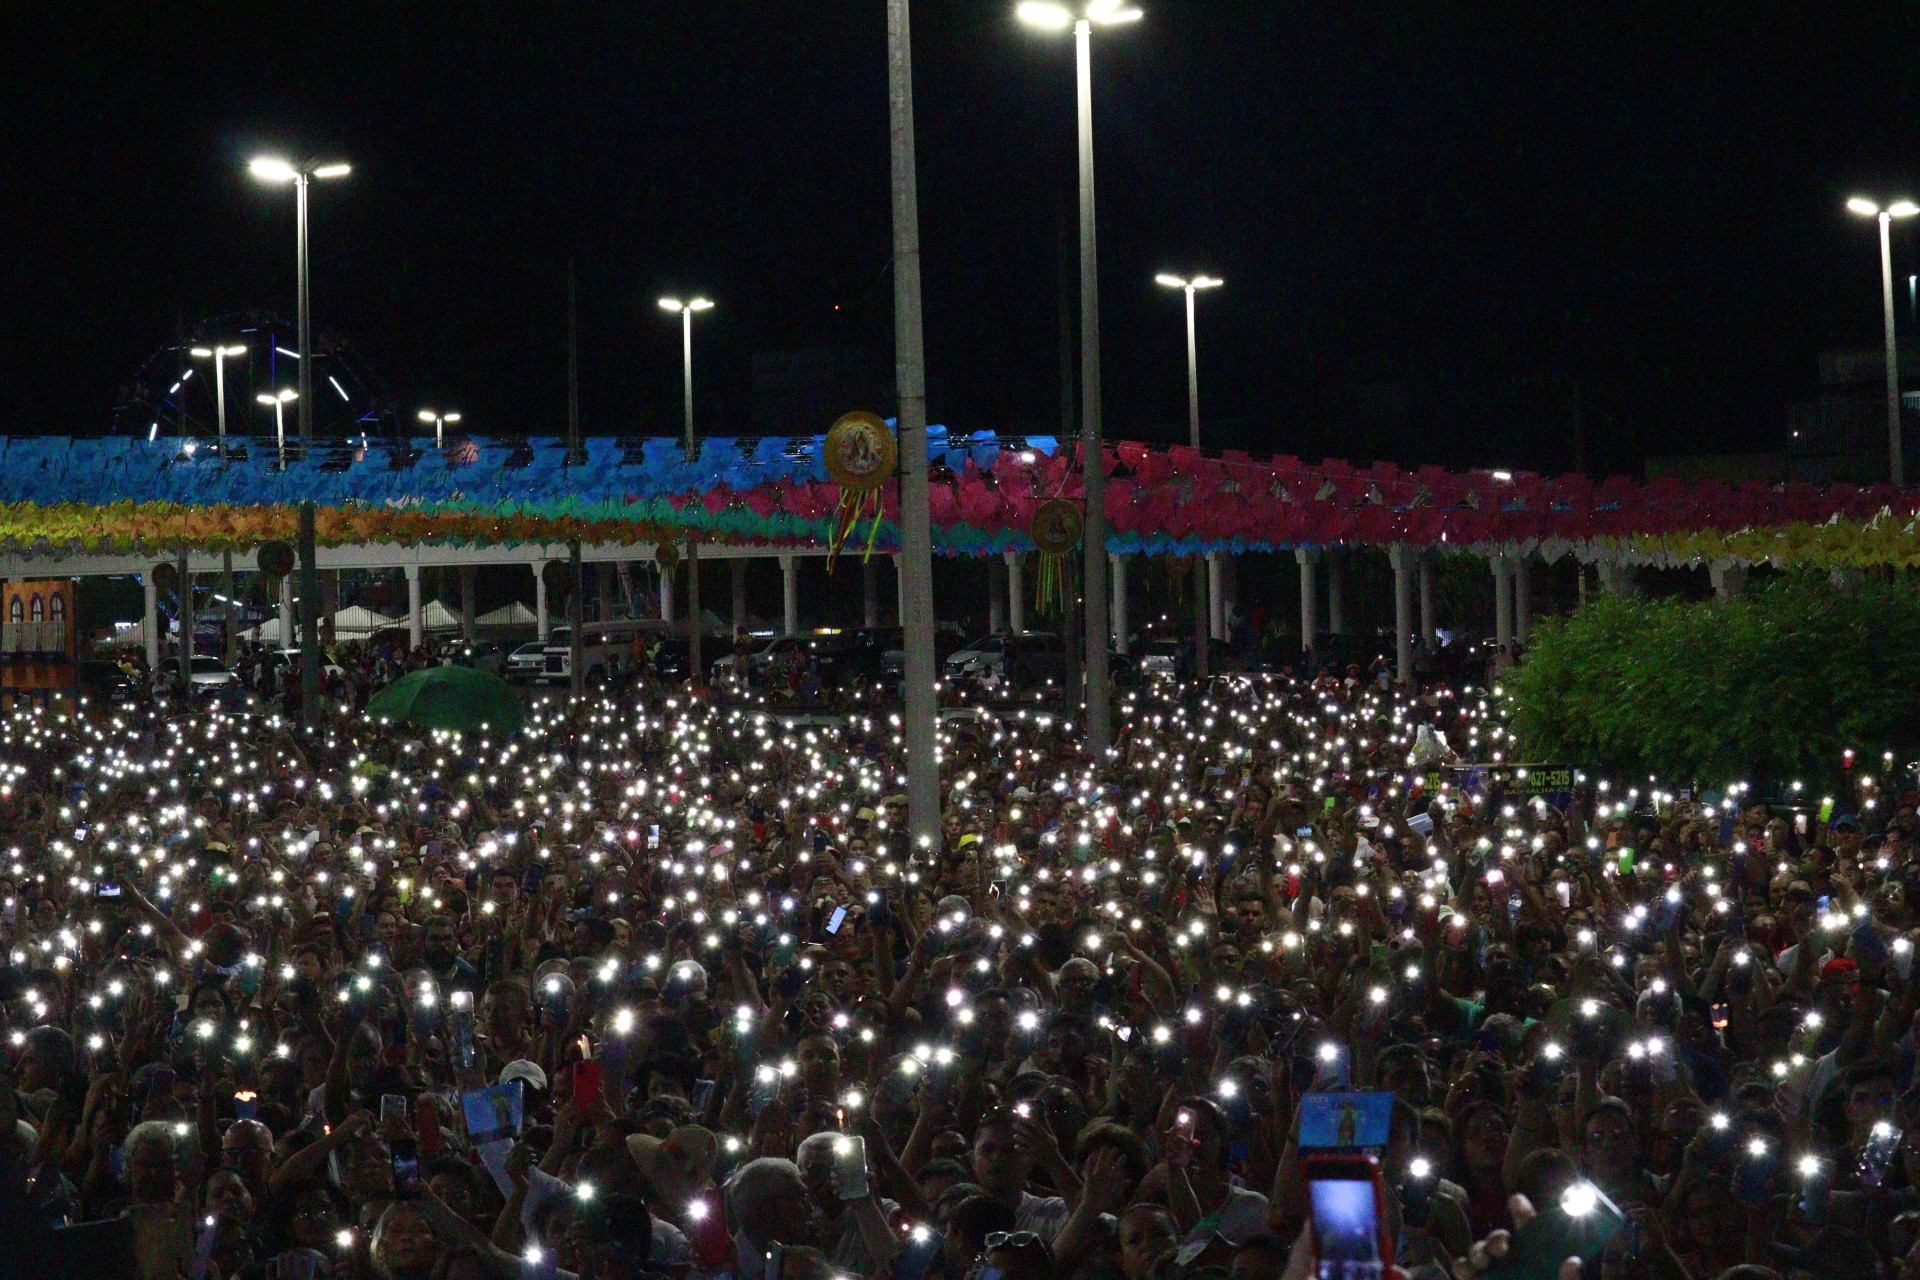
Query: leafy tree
[1767,687]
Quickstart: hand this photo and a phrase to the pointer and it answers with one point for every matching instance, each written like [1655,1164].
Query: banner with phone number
[1552,783]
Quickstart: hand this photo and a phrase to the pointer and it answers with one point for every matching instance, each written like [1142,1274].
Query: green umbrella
[450,698]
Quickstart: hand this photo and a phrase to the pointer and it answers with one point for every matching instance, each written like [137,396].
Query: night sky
[1447,229]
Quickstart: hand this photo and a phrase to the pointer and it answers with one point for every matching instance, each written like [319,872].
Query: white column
[1502,603]
[1429,638]
[666,593]
[416,621]
[790,594]
[1309,623]
[542,619]
[1016,593]
[287,638]
[1522,600]
[869,594]
[996,595]
[1119,610]
[738,569]
[1401,557]
[467,574]
[150,619]
[1217,596]
[1336,591]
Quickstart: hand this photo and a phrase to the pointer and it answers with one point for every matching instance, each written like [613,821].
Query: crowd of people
[661,984]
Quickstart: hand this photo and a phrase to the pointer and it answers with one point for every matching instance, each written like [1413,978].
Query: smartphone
[1877,1155]
[653,836]
[1753,1173]
[406,1168]
[776,1268]
[1349,1206]
[461,1018]
[1719,1012]
[838,918]
[586,1084]
[850,1167]
[1581,1225]
[106,889]
[1564,892]
[765,1088]
[393,1107]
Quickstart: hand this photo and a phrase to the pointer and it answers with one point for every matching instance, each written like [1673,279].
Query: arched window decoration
[58,609]
[37,611]
[17,611]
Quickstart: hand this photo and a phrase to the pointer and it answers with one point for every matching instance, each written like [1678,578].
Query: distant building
[1840,435]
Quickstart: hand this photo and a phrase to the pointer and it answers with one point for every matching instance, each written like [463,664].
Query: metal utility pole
[909,363]
[576,578]
[309,619]
[1099,696]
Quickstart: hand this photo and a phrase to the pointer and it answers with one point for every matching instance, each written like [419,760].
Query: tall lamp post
[695,671]
[278,401]
[910,391]
[1050,16]
[1898,209]
[439,421]
[218,355]
[1201,585]
[273,169]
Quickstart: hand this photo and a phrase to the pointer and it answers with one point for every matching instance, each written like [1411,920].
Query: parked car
[104,683]
[291,657]
[480,655]
[210,676]
[527,661]
[1026,660]
[947,641]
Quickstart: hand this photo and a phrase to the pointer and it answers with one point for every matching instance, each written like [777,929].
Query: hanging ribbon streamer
[860,453]
[1057,529]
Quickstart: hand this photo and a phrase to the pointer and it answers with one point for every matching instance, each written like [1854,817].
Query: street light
[686,310]
[279,403]
[273,169]
[1898,209]
[219,356]
[1203,587]
[1050,16]
[439,421]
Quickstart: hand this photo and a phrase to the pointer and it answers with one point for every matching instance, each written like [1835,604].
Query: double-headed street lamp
[218,355]
[279,403]
[1202,578]
[695,671]
[273,169]
[1051,16]
[439,421]
[1898,209]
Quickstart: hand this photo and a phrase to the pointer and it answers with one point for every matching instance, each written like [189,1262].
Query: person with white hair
[769,1204]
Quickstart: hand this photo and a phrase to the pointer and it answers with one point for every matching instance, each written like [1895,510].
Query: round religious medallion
[275,559]
[860,451]
[1056,526]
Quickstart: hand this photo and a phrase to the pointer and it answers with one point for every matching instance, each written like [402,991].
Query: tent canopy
[512,614]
